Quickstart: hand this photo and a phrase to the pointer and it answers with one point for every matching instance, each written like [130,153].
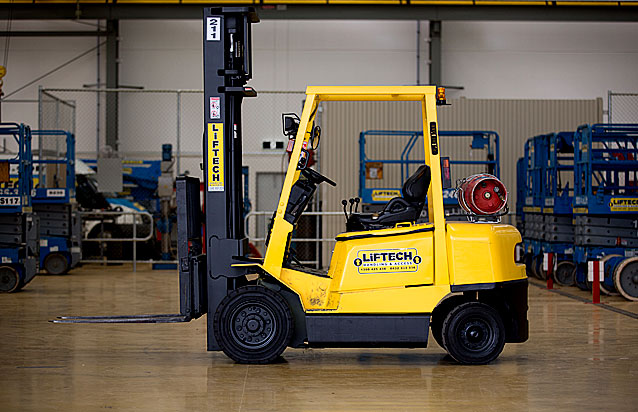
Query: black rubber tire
[437,330]
[537,267]
[565,273]
[56,264]
[610,291]
[473,333]
[264,325]
[626,278]
[527,259]
[9,279]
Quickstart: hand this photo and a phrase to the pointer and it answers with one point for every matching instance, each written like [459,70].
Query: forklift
[390,279]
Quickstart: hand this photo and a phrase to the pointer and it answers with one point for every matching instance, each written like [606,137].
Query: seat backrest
[415,188]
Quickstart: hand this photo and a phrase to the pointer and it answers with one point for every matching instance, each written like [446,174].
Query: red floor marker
[550,270]
[596,284]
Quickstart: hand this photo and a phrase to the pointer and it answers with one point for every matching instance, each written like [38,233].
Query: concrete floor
[579,357]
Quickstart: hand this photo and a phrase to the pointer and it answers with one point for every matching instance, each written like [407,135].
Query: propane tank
[482,194]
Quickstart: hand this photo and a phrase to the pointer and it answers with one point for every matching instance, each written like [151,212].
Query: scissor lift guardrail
[372,198]
[606,204]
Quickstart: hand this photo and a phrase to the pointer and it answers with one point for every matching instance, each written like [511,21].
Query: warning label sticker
[619,204]
[383,195]
[215,111]
[215,165]
[387,261]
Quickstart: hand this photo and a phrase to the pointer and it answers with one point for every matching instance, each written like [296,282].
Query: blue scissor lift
[19,233]
[54,201]
[521,172]
[535,162]
[373,198]
[606,205]
[557,197]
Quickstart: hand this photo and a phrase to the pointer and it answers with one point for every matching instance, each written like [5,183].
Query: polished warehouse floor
[579,357]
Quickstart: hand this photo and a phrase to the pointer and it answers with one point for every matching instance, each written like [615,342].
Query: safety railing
[140,218]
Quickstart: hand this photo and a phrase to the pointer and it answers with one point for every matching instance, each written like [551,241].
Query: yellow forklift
[390,279]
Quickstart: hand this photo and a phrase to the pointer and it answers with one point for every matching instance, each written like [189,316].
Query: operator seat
[406,208]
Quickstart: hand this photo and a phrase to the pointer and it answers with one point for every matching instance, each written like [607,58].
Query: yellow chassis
[451,256]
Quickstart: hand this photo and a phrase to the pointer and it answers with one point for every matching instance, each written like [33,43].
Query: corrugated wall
[513,120]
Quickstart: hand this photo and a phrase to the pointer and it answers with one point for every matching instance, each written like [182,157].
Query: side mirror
[290,123]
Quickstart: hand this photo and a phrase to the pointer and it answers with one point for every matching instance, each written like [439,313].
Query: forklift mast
[206,278]
[209,243]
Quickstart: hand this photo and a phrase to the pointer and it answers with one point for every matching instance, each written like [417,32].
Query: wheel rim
[253,325]
[565,273]
[475,334]
[9,279]
[55,264]
[628,281]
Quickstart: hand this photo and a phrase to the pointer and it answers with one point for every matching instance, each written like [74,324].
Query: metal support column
[435,52]
[112,82]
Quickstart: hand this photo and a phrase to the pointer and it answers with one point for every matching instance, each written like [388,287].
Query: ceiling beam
[612,13]
[50,33]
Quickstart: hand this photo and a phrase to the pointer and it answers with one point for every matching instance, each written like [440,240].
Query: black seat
[399,209]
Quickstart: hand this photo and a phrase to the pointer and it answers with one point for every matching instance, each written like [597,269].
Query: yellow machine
[389,278]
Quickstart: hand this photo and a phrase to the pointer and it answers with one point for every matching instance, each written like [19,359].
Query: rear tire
[626,278]
[473,333]
[253,324]
[9,279]
[437,331]
[565,273]
[56,264]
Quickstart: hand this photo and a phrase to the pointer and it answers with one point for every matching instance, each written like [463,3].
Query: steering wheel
[316,177]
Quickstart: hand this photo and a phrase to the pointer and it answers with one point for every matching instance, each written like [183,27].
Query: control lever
[351,204]
[344,203]
[356,206]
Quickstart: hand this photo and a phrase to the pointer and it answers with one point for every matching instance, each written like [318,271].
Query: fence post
[134,243]
[178,148]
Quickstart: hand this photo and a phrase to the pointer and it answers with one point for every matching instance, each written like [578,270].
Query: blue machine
[557,198]
[535,162]
[520,194]
[606,205]
[19,232]
[140,178]
[53,202]
[374,197]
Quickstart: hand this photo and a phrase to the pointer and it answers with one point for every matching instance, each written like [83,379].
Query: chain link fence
[138,122]
[622,107]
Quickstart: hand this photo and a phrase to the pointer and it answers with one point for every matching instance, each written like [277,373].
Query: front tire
[473,333]
[565,273]
[253,325]
[56,264]
[9,280]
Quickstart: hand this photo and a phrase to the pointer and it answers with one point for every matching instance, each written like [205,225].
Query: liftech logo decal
[215,167]
[387,261]
[617,204]
[383,195]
